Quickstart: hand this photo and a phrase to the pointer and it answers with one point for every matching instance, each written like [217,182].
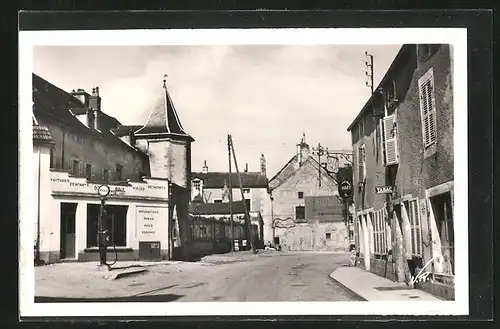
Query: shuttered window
[428,108]
[379,233]
[361,164]
[390,136]
[411,208]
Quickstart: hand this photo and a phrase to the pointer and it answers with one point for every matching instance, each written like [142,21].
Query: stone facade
[300,178]
[413,153]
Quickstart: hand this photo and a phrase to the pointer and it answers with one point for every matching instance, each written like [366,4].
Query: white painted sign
[62,183]
[385,189]
[151,223]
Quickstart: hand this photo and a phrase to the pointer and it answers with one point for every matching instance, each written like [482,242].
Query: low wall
[437,289]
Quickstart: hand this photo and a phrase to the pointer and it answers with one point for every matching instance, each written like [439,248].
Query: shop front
[137,220]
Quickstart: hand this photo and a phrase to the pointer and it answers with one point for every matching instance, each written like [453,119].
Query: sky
[266,97]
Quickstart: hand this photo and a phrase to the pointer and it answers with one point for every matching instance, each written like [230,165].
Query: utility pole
[230,193]
[247,214]
[320,150]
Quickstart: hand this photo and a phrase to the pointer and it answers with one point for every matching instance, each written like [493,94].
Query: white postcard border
[457,37]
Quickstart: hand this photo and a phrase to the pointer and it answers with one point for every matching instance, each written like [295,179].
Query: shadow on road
[148,298]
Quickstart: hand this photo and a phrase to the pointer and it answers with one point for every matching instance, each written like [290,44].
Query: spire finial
[165,76]
[303,136]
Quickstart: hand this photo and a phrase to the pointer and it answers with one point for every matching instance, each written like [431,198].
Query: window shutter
[390,134]
[428,110]
[82,170]
[361,164]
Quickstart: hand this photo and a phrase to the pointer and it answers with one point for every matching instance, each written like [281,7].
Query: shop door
[68,236]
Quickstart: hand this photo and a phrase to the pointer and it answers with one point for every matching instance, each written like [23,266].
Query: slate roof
[163,119]
[216,208]
[41,134]
[124,130]
[217,179]
[53,103]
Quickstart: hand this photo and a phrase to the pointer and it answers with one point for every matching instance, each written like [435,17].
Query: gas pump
[103,238]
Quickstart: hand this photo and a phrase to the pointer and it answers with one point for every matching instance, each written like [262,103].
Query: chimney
[82,96]
[246,167]
[205,167]
[95,100]
[131,137]
[262,164]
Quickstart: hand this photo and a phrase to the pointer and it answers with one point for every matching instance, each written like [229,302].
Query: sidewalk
[372,287]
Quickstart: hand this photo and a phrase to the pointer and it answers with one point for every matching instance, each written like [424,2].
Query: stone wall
[315,237]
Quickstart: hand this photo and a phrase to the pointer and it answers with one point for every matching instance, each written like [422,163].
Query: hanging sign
[345,189]
[385,189]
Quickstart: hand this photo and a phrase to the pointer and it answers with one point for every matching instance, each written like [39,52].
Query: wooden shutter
[390,134]
[417,247]
[361,163]
[428,109]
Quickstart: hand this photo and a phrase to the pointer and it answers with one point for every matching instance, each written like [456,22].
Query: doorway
[68,232]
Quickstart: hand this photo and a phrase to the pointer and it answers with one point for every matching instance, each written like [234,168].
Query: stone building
[213,187]
[403,171]
[301,180]
[148,172]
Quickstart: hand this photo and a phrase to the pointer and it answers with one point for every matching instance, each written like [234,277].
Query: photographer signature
[423,276]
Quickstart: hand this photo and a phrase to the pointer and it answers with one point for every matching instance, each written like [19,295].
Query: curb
[127,273]
[362,299]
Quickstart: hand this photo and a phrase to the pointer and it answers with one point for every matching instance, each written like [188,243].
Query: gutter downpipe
[37,256]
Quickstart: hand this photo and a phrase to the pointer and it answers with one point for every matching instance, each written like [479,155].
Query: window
[119,172]
[361,164]
[328,236]
[116,224]
[300,213]
[390,140]
[248,204]
[351,220]
[217,201]
[300,195]
[411,208]
[105,175]
[443,214]
[351,235]
[88,172]
[428,108]
[197,185]
[246,190]
[75,170]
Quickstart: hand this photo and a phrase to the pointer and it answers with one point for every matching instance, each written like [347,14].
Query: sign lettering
[62,182]
[151,223]
[385,189]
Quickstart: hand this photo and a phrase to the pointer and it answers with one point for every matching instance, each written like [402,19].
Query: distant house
[300,184]
[213,187]
[404,171]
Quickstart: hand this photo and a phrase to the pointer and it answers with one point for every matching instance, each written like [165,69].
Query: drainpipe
[37,256]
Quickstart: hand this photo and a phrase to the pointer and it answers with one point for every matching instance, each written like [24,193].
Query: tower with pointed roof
[169,145]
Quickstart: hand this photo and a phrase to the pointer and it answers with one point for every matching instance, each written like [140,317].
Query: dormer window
[196,185]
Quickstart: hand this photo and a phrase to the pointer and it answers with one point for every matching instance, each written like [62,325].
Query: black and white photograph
[272,172]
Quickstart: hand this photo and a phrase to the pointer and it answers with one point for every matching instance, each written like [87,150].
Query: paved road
[275,277]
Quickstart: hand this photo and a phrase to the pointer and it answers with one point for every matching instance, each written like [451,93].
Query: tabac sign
[63,184]
[385,189]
